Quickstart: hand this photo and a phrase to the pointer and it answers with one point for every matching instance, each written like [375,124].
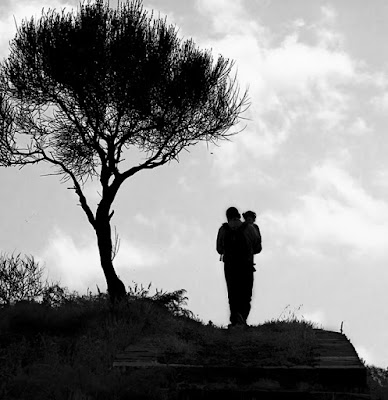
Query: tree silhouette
[80,88]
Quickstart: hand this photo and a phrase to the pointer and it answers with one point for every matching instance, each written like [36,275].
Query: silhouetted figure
[250,218]
[237,242]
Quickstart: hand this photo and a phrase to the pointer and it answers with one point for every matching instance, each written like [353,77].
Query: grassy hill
[64,347]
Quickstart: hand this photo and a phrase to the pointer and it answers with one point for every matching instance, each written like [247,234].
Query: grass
[270,344]
[378,382]
[65,349]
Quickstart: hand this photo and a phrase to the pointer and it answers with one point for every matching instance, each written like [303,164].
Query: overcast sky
[312,162]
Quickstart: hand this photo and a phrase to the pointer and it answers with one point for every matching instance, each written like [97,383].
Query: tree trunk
[116,288]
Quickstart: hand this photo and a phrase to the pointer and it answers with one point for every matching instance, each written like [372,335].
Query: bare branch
[77,187]
[116,245]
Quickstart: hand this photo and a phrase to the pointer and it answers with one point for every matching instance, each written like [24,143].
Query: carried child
[250,218]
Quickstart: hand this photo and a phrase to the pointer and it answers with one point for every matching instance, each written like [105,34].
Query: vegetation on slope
[63,346]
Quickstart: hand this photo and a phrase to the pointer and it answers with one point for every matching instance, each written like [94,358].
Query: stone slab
[337,369]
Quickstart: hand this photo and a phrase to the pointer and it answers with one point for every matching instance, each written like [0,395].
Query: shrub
[174,302]
[20,279]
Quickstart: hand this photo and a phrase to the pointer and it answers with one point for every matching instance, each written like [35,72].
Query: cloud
[329,14]
[317,317]
[299,80]
[380,179]
[336,212]
[77,264]
[367,355]
[359,127]
[143,220]
[296,65]
[380,102]
[180,235]
[226,15]
[271,71]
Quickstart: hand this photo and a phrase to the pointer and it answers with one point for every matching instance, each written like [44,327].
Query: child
[250,218]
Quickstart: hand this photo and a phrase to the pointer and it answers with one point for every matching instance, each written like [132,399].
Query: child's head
[249,217]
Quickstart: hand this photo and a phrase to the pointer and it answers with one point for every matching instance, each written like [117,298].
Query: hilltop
[64,348]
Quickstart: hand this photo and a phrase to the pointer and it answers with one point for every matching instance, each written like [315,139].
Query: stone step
[336,369]
[227,394]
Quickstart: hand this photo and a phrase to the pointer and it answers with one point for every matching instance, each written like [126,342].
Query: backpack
[236,247]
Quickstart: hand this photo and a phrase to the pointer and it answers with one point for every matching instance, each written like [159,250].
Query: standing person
[237,242]
[250,218]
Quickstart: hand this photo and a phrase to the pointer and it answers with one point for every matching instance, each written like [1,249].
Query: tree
[80,88]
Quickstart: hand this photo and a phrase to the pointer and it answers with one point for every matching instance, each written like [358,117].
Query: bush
[20,279]
[174,302]
[378,382]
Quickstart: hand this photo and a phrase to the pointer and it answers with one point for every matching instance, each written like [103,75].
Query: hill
[64,348]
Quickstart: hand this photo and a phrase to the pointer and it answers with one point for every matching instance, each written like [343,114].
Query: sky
[311,162]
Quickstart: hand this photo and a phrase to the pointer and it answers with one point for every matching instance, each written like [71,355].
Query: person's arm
[220,241]
[255,239]
[259,246]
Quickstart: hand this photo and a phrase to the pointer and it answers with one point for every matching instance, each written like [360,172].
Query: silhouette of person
[250,218]
[237,242]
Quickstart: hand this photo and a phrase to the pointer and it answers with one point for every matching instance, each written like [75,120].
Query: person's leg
[233,292]
[246,292]
[238,283]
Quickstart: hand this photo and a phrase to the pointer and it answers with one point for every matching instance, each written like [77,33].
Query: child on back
[250,218]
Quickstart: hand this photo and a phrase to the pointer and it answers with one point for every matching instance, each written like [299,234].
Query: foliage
[20,278]
[55,296]
[378,382]
[290,317]
[83,86]
[66,349]
[21,281]
[173,301]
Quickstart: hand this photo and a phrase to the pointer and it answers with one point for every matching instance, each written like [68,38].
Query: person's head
[250,217]
[232,213]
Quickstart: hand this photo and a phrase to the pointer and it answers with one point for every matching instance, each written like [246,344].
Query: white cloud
[264,139]
[298,23]
[226,14]
[226,158]
[329,14]
[380,179]
[359,127]
[180,235]
[77,264]
[366,354]
[183,183]
[337,212]
[295,65]
[289,82]
[317,317]
[145,221]
[380,102]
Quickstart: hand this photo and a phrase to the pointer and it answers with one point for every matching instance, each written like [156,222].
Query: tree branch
[77,187]
[72,117]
